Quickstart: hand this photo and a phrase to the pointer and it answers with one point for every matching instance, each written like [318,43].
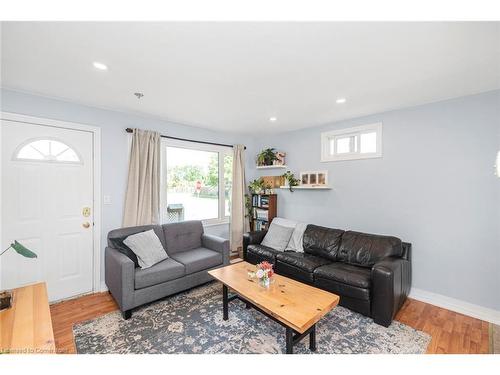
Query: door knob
[86,224]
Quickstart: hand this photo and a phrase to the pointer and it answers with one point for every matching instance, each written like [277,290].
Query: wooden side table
[27,326]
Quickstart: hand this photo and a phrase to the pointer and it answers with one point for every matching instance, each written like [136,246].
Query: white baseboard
[462,307]
[104,287]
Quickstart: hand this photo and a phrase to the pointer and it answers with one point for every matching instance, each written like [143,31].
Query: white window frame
[221,150]
[327,137]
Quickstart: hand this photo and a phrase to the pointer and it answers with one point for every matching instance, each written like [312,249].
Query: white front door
[47,205]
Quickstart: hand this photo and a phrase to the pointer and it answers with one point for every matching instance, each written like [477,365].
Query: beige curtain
[239,224]
[142,200]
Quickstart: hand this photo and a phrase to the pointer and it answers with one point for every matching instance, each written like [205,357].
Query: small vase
[265,282]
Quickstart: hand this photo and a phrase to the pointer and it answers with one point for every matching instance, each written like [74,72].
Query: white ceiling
[234,76]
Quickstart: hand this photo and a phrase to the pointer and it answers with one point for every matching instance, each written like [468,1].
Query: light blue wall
[434,187]
[114,144]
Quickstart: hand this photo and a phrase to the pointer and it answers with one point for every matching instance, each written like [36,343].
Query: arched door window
[47,150]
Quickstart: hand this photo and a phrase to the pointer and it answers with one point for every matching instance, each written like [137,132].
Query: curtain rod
[129,130]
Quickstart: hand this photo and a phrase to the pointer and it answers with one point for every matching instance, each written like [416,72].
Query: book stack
[260,201]
[263,211]
[259,225]
[261,215]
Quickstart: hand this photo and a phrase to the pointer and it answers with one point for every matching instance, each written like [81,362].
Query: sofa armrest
[391,282]
[120,277]
[218,244]
[252,238]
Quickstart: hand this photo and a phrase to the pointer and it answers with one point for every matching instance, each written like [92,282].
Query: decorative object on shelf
[269,157]
[314,178]
[280,158]
[256,186]
[273,181]
[6,296]
[266,157]
[290,180]
[264,273]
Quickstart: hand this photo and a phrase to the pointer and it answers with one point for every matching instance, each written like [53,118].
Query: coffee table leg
[289,341]
[312,339]
[225,303]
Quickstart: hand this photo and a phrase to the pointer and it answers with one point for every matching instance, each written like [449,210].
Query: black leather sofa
[370,273]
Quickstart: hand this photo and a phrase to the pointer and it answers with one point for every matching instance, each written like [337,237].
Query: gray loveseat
[191,254]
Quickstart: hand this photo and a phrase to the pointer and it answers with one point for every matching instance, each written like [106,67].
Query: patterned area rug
[191,322]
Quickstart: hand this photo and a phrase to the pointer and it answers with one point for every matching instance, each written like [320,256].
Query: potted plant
[5,296]
[266,157]
[256,186]
[290,180]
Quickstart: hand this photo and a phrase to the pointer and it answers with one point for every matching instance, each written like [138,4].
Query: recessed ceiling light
[100,66]
[272,119]
[340,101]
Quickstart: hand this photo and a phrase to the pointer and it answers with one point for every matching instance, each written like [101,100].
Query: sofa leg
[382,322]
[127,314]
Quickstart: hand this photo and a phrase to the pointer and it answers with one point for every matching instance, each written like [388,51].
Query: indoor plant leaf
[22,250]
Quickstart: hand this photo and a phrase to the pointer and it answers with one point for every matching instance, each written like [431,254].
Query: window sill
[209,223]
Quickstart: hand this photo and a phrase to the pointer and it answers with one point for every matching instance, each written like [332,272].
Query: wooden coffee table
[294,305]
[26,327]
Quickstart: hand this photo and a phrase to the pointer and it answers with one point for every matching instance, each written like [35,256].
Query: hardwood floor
[65,314]
[451,332]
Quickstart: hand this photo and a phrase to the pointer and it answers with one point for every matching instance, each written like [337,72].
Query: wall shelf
[307,187]
[271,167]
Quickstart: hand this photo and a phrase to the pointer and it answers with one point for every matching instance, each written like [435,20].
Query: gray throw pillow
[277,237]
[147,247]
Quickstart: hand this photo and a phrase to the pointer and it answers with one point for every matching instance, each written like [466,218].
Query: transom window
[47,150]
[196,182]
[361,142]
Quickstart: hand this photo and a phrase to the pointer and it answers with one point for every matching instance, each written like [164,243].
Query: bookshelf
[264,210]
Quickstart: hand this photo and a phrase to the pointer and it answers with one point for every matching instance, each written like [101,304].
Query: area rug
[191,322]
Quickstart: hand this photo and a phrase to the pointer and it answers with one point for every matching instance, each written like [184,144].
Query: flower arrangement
[263,273]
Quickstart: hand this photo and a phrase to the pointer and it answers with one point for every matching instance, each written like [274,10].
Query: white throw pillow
[296,240]
[147,247]
[277,236]
[285,222]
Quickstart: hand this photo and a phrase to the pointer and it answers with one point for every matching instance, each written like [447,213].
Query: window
[361,142]
[47,150]
[196,182]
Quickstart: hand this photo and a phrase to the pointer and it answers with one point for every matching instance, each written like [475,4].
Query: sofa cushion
[363,249]
[298,266]
[166,270]
[116,237]
[117,243]
[183,236]
[341,289]
[147,247]
[345,273]
[322,241]
[278,236]
[198,259]
[296,242]
[259,253]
